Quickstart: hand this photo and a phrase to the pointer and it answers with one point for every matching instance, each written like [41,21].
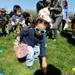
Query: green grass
[60,54]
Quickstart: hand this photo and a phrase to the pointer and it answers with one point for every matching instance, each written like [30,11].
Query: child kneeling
[32,41]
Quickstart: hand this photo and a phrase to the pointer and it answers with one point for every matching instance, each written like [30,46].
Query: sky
[30,4]
[25,4]
[71,5]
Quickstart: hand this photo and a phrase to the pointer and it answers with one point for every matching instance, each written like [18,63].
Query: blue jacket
[65,13]
[27,36]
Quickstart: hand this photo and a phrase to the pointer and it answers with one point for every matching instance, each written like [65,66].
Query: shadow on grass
[21,60]
[68,35]
[51,70]
[1,34]
[71,40]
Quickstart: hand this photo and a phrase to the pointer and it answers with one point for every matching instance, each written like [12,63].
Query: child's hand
[16,43]
[44,65]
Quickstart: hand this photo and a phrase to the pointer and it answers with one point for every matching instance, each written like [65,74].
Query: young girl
[34,40]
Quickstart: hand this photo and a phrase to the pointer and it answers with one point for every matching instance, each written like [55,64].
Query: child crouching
[34,40]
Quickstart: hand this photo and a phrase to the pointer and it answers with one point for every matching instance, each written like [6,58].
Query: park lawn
[60,54]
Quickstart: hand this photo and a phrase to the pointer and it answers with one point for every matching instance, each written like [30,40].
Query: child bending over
[34,39]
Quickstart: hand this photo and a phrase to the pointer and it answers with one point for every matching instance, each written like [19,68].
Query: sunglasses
[38,30]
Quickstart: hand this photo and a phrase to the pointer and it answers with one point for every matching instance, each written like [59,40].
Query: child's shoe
[29,67]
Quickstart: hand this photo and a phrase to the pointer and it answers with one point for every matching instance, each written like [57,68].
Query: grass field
[60,54]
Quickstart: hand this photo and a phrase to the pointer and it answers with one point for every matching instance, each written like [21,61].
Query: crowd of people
[30,40]
[16,18]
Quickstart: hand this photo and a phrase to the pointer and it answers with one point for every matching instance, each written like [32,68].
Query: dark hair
[65,4]
[26,14]
[39,5]
[39,20]
[11,14]
[44,22]
[47,1]
[16,7]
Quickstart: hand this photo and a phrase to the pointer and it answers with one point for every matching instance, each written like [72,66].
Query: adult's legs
[57,22]
[56,26]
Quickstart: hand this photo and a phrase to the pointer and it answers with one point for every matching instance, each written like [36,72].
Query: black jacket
[56,10]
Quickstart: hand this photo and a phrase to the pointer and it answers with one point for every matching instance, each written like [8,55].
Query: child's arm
[17,40]
[44,63]
[43,52]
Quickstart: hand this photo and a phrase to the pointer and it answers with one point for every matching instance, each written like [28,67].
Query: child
[4,19]
[27,16]
[17,18]
[35,39]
